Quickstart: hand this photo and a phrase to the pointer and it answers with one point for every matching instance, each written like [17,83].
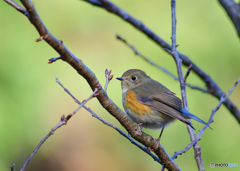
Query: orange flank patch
[136,106]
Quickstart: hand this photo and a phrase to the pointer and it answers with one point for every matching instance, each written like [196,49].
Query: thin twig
[209,122]
[146,59]
[197,148]
[81,105]
[111,125]
[17,7]
[53,59]
[63,121]
[187,73]
[158,66]
[212,87]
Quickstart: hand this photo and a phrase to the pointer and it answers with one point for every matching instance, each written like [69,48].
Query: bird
[150,104]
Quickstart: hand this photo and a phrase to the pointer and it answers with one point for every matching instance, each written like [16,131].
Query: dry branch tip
[53,59]
[39,39]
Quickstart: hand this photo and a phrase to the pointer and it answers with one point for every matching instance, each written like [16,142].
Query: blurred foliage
[31,102]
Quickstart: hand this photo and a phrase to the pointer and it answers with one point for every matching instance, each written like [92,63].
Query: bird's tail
[191,116]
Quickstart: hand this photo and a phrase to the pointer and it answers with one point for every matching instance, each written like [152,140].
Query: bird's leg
[160,134]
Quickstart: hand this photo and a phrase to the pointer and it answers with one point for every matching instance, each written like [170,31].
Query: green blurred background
[31,102]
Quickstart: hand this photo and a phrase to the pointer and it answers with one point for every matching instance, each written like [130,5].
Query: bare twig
[53,59]
[108,78]
[63,121]
[233,11]
[197,148]
[17,7]
[39,39]
[147,59]
[212,87]
[158,66]
[92,80]
[209,122]
[187,73]
[111,125]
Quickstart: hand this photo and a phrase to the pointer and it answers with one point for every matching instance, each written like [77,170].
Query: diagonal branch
[212,87]
[63,121]
[111,125]
[93,82]
[210,121]
[233,11]
[17,7]
[158,66]
[147,59]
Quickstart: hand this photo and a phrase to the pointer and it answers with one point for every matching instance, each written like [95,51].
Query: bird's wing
[168,99]
[162,107]
[161,99]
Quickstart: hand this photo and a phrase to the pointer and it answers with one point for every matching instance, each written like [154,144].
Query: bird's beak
[120,78]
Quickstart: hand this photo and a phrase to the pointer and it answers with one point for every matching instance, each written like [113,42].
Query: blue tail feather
[191,126]
[191,116]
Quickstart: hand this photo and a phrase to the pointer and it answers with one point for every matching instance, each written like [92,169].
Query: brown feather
[163,108]
[162,100]
[158,92]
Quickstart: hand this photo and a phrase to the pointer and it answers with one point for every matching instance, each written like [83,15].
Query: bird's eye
[134,78]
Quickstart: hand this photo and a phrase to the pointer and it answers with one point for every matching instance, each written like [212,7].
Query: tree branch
[209,122]
[197,148]
[233,11]
[212,87]
[63,121]
[158,66]
[111,125]
[17,7]
[104,100]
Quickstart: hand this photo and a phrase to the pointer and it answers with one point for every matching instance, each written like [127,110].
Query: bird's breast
[131,103]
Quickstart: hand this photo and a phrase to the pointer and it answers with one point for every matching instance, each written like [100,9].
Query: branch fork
[63,121]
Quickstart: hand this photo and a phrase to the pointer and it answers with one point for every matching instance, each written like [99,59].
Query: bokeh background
[31,102]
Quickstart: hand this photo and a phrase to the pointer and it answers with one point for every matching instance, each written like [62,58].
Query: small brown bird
[150,104]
